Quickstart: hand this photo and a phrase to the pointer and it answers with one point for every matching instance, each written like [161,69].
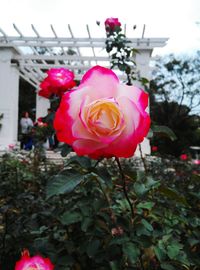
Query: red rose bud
[112,24]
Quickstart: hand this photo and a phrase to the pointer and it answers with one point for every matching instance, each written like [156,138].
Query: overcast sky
[176,19]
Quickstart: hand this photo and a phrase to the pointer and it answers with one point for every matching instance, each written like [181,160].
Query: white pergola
[30,56]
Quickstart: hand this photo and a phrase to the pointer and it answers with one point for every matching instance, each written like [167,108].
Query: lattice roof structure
[36,53]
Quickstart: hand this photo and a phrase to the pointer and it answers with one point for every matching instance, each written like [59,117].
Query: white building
[20,57]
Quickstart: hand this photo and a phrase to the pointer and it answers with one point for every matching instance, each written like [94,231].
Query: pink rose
[196,161]
[103,118]
[11,146]
[33,263]
[57,82]
[112,24]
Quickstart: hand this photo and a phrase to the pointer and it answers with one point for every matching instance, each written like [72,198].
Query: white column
[42,104]
[142,60]
[9,95]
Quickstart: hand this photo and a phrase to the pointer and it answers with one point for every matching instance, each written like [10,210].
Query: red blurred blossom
[39,119]
[33,263]
[112,24]
[40,123]
[183,157]
[154,148]
[57,82]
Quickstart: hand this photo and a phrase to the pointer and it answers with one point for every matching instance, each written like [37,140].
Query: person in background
[26,125]
[49,120]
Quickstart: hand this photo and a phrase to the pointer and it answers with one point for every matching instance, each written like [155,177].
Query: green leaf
[193,241]
[160,254]
[140,175]
[114,265]
[150,134]
[103,173]
[65,261]
[60,184]
[173,250]
[86,223]
[151,182]
[140,189]
[144,80]
[141,230]
[147,225]
[145,205]
[172,194]
[131,251]
[65,150]
[102,225]
[167,266]
[93,247]
[134,51]
[70,217]
[131,172]
[165,131]
[84,162]
[119,240]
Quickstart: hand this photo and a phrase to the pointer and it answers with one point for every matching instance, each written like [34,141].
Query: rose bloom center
[35,267]
[60,76]
[104,118]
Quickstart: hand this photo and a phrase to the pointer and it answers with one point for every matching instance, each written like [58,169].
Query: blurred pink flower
[117,231]
[196,161]
[33,263]
[11,146]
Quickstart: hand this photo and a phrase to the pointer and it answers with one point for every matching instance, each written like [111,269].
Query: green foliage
[64,182]
[176,78]
[40,133]
[122,55]
[174,98]
[165,131]
[184,126]
[79,215]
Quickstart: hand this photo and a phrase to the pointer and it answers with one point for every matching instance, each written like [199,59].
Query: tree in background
[175,102]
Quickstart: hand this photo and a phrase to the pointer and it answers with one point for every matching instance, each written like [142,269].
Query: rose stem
[124,186]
